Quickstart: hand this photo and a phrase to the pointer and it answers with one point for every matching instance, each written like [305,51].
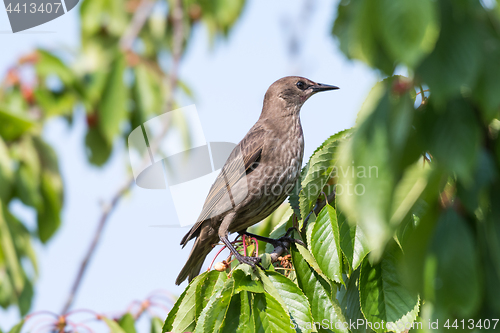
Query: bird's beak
[322,87]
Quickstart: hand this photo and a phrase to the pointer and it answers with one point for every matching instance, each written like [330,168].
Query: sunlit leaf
[127,323]
[8,251]
[352,241]
[269,315]
[112,109]
[12,126]
[156,325]
[323,307]
[17,328]
[319,171]
[212,317]
[113,326]
[295,300]
[48,64]
[6,171]
[182,317]
[325,244]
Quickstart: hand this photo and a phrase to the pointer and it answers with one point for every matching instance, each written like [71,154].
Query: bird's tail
[195,260]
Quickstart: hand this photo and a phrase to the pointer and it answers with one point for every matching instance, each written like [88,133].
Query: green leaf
[209,285]
[452,275]
[27,186]
[8,251]
[270,315]
[98,150]
[373,162]
[244,282]
[454,63]
[182,317]
[408,30]
[25,298]
[319,171]
[49,214]
[406,193]
[352,242]
[21,238]
[7,292]
[358,30]
[323,307]
[325,244]
[348,297]
[212,317]
[239,317]
[28,173]
[172,314]
[279,230]
[147,92]
[382,295]
[295,300]
[89,13]
[6,172]
[310,227]
[18,327]
[12,125]
[485,93]
[112,110]
[156,325]
[452,136]
[113,325]
[48,64]
[55,104]
[309,258]
[127,322]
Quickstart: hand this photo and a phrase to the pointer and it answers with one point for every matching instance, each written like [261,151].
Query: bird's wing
[245,155]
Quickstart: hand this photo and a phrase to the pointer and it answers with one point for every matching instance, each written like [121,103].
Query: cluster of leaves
[445,215]
[332,283]
[414,234]
[29,173]
[118,87]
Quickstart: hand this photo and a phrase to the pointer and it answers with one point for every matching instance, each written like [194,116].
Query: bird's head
[290,93]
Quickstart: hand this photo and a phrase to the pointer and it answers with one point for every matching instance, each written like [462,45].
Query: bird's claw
[289,240]
[252,261]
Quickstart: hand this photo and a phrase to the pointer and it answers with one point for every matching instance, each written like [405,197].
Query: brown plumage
[258,175]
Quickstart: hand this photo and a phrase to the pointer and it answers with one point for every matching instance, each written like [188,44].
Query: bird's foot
[277,241]
[280,241]
[252,261]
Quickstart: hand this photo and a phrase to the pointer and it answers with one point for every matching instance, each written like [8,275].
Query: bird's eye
[301,85]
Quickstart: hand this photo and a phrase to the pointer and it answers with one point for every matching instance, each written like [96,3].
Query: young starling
[258,175]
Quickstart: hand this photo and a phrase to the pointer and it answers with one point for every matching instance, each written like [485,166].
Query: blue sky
[229,82]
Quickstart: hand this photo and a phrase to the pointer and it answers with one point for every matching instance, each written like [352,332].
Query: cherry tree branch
[131,34]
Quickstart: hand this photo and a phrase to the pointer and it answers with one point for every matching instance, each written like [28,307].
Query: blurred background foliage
[121,77]
[422,242]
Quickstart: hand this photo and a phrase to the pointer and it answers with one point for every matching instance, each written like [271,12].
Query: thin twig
[178,37]
[138,20]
